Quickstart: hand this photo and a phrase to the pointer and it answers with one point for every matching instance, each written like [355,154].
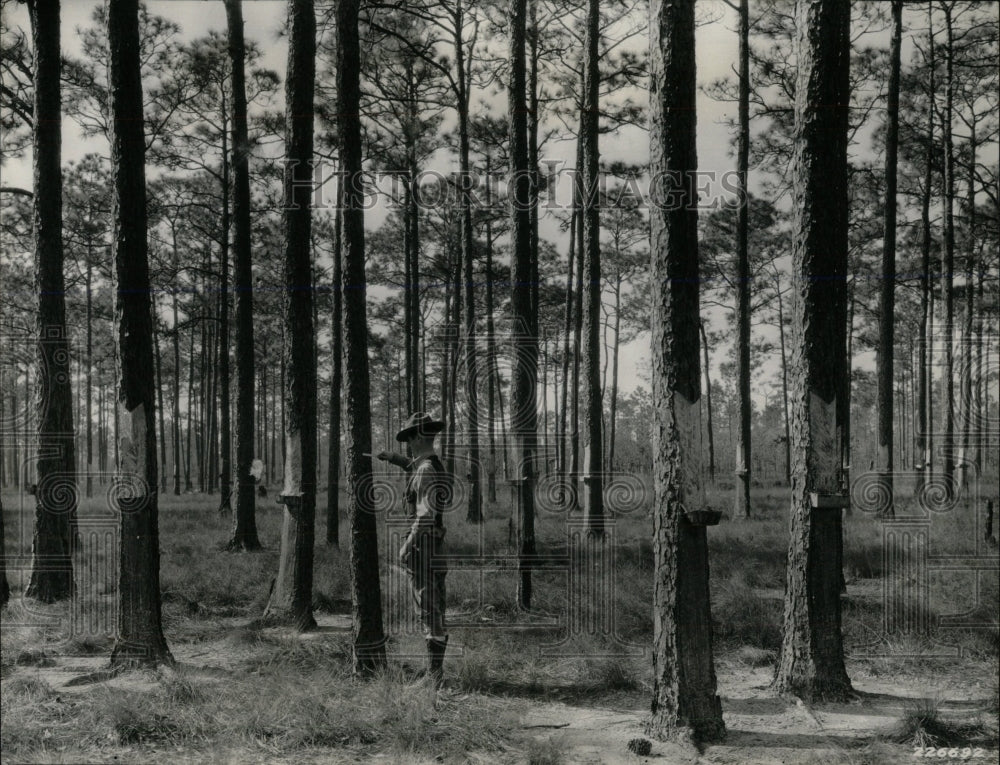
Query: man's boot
[435,658]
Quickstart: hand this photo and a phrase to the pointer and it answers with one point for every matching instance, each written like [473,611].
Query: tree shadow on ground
[768,740]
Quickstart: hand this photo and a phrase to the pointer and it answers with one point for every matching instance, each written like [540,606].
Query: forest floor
[243,692]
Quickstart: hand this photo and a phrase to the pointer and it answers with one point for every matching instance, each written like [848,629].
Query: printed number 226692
[953,753]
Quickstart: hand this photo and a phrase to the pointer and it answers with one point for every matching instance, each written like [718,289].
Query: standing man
[422,554]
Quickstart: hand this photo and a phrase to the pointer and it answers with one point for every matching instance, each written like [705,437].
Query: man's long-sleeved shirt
[427,487]
[427,491]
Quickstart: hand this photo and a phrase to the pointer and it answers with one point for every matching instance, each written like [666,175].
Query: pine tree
[291,597]
[887,298]
[366,592]
[684,683]
[589,130]
[140,632]
[244,519]
[525,346]
[811,664]
[55,467]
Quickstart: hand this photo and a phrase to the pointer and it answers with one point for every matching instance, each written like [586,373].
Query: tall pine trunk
[887,292]
[158,381]
[524,372]
[708,403]
[531,50]
[491,378]
[55,465]
[454,349]
[613,405]
[244,519]
[965,466]
[291,596]
[336,381]
[544,446]
[446,361]
[567,348]
[408,285]
[784,383]
[948,245]
[575,467]
[190,413]
[418,381]
[175,404]
[89,374]
[924,393]
[684,682]
[102,446]
[474,513]
[589,127]
[980,430]
[366,591]
[16,455]
[214,349]
[743,445]
[225,471]
[811,664]
[139,639]
[202,410]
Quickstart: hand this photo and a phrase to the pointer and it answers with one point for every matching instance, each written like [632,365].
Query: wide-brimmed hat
[419,422]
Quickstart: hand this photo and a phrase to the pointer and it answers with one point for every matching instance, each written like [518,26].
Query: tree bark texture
[366,592]
[244,519]
[291,597]
[743,445]
[474,512]
[55,467]
[593,503]
[140,638]
[684,682]
[923,442]
[710,436]
[524,377]
[491,378]
[336,380]
[968,346]
[175,403]
[811,663]
[948,247]
[887,292]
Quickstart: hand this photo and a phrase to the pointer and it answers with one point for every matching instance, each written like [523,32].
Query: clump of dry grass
[751,656]
[137,725]
[22,638]
[179,688]
[26,688]
[297,655]
[922,724]
[545,751]
[512,665]
[477,671]
[609,673]
[86,645]
[251,634]
[34,657]
[21,696]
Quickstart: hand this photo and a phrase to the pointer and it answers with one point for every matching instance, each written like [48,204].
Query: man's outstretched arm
[394,459]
